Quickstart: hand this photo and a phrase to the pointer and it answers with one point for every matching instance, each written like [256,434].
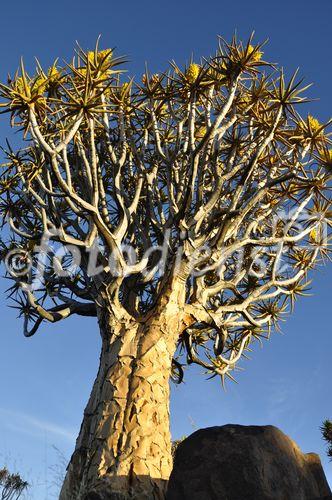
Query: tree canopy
[207,171]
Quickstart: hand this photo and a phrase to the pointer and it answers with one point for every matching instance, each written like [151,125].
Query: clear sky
[45,381]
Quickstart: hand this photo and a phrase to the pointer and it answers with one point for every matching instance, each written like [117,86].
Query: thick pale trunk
[124,446]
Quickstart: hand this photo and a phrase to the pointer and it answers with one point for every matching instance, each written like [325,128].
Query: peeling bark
[124,445]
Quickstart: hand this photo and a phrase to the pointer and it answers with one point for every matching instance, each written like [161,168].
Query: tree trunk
[124,446]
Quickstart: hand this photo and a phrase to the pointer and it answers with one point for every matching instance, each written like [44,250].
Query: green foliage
[327,435]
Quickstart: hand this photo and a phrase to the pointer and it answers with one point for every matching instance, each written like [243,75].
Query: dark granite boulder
[236,462]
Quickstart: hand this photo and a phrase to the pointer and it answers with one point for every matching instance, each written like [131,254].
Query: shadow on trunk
[142,489]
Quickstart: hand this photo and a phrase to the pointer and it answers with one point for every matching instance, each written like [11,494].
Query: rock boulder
[236,462]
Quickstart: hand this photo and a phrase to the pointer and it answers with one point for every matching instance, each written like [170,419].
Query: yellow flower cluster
[313,235]
[39,85]
[36,86]
[19,85]
[314,124]
[53,74]
[101,56]
[192,72]
[256,56]
[245,100]
[82,72]
[91,56]
[200,132]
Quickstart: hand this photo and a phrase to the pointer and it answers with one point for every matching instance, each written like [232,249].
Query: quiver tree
[184,211]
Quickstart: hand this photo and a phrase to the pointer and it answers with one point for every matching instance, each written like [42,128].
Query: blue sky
[45,381]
